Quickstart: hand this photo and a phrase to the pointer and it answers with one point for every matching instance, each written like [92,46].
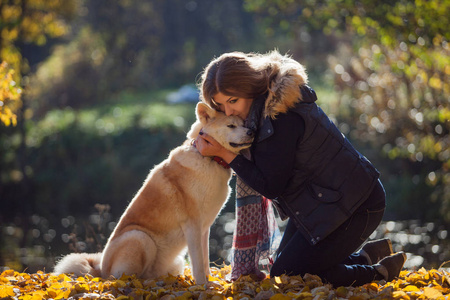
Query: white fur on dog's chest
[212,206]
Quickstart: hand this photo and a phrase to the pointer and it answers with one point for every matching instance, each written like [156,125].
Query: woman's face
[233,106]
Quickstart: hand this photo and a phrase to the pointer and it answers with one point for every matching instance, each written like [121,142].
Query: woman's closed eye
[220,107]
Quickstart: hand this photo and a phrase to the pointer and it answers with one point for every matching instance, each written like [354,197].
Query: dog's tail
[80,264]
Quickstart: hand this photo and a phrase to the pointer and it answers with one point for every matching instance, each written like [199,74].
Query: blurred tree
[9,95]
[139,45]
[392,71]
[163,42]
[22,23]
[25,22]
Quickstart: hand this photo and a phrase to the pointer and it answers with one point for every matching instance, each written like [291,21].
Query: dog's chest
[213,200]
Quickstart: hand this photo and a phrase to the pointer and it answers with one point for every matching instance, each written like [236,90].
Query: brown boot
[374,251]
[390,266]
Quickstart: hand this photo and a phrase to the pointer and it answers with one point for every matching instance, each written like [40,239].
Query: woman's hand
[208,146]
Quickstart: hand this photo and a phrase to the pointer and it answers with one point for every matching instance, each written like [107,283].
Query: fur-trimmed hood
[284,91]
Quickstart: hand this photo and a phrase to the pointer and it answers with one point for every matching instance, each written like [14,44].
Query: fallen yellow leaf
[432,293]
[280,297]
[411,288]
[6,291]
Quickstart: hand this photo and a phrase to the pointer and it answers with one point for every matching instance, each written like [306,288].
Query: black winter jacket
[331,179]
[328,178]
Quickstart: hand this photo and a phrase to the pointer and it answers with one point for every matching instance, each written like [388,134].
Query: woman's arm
[273,159]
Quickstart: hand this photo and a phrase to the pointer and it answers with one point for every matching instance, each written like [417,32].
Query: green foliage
[386,21]
[136,46]
[71,76]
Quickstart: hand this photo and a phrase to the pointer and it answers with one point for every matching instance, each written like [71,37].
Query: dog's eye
[231,126]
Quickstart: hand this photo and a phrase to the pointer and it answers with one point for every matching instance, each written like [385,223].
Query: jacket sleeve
[273,158]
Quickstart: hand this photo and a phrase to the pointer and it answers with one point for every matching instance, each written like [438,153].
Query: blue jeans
[333,259]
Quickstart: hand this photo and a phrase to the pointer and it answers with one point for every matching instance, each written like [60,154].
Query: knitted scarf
[256,236]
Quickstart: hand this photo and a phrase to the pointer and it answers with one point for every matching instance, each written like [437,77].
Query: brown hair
[244,75]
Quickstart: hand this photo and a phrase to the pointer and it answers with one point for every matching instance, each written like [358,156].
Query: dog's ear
[205,112]
[195,129]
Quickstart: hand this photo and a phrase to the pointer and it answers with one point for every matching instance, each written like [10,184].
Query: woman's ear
[204,112]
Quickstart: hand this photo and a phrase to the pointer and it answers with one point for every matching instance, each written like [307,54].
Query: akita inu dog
[175,208]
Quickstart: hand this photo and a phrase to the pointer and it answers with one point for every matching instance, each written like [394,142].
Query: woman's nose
[228,111]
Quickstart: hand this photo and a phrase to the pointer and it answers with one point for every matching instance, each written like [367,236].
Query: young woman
[299,159]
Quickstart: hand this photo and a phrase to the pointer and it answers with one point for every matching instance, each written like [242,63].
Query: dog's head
[229,131]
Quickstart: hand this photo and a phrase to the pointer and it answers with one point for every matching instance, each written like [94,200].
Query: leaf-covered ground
[421,284]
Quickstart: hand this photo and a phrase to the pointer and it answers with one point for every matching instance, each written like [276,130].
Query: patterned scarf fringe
[256,236]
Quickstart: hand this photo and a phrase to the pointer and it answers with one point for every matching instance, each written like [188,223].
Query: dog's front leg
[193,234]
[205,246]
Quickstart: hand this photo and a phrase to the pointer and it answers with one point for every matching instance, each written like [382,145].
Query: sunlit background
[94,93]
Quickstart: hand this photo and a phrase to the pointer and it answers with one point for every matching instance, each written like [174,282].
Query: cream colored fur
[174,209]
[284,91]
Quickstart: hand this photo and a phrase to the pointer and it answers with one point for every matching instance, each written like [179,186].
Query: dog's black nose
[250,133]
